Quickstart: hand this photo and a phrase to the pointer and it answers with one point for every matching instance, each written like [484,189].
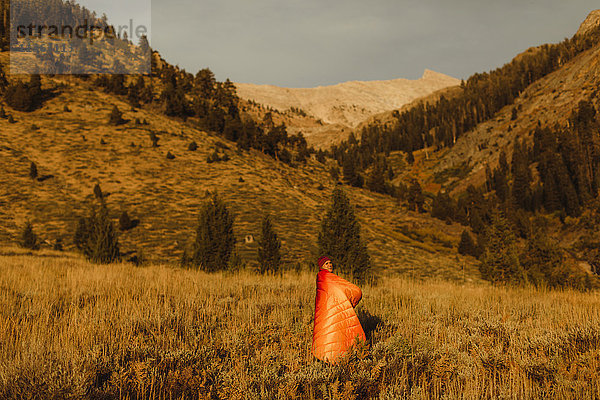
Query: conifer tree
[443,207]
[541,258]
[340,240]
[521,191]
[97,237]
[33,172]
[467,245]
[269,257]
[116,117]
[29,239]
[376,178]
[214,236]
[500,259]
[98,191]
[416,199]
[349,169]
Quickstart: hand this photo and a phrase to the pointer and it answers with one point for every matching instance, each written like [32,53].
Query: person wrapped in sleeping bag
[336,326]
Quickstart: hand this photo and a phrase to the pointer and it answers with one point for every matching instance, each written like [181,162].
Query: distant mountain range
[338,108]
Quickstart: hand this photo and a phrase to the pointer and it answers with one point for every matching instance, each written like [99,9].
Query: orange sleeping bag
[336,324]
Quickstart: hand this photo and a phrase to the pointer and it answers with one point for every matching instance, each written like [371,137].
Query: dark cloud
[307,43]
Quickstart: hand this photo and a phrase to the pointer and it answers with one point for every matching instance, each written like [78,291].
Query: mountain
[145,167]
[74,146]
[591,22]
[337,109]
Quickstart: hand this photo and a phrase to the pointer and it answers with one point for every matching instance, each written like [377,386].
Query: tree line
[213,248]
[557,174]
[442,122]
[213,106]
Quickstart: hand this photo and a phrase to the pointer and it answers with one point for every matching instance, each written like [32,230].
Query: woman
[336,326]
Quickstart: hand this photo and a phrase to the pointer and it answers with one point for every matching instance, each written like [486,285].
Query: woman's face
[328,266]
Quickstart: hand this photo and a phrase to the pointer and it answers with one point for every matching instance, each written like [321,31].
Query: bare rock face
[348,103]
[592,21]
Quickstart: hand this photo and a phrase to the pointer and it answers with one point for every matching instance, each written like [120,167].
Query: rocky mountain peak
[592,21]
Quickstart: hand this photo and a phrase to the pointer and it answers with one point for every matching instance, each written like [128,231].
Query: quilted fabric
[336,325]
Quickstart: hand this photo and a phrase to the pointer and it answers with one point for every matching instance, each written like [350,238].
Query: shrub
[193,146]
[154,139]
[58,246]
[125,223]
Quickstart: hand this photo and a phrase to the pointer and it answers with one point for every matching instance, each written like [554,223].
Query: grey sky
[305,43]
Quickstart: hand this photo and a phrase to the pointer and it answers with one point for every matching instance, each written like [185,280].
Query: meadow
[70,329]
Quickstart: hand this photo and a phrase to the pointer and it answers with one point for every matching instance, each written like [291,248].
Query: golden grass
[72,329]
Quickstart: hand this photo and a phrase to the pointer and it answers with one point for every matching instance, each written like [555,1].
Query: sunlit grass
[72,329]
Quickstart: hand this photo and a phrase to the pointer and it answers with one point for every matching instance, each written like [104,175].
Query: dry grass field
[69,329]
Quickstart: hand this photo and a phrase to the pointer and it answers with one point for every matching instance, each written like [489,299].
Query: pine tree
[98,192]
[97,237]
[29,239]
[541,259]
[269,257]
[500,258]
[116,117]
[340,240]
[33,172]
[349,169]
[467,245]
[416,199]
[376,178]
[443,207]
[521,191]
[214,236]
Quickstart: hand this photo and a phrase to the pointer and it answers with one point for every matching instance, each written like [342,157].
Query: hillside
[165,195]
[549,101]
[332,111]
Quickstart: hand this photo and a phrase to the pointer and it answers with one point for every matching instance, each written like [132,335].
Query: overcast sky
[305,43]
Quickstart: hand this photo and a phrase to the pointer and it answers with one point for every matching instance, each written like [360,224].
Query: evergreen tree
[500,259]
[98,191]
[340,240]
[467,245]
[29,239]
[443,207]
[33,172]
[116,117]
[376,178]
[349,169]
[416,198]
[269,257]
[542,259]
[214,236]
[96,236]
[521,177]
